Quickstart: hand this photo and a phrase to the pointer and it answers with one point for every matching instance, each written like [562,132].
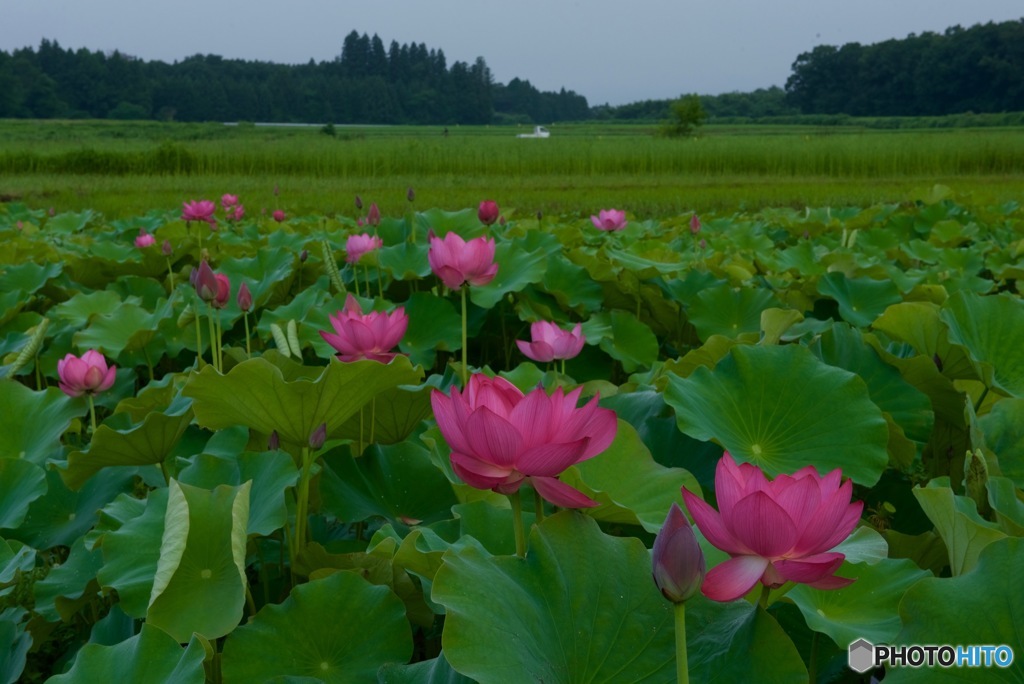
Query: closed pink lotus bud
[201,210]
[500,438]
[359,336]
[775,531]
[373,215]
[86,375]
[457,262]
[223,291]
[551,342]
[303,255]
[144,239]
[274,441]
[609,219]
[359,203]
[677,559]
[358,245]
[205,281]
[278,215]
[166,248]
[319,436]
[694,224]
[410,194]
[487,212]
[244,297]
[228,201]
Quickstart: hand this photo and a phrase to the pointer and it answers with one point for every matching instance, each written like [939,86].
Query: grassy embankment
[124,169]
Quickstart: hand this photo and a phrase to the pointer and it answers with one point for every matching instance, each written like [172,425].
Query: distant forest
[978,69]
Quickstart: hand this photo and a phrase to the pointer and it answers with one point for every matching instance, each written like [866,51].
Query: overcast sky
[608,50]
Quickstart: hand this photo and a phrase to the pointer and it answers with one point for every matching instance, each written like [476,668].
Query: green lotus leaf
[199,585]
[1002,496]
[14,559]
[69,580]
[15,641]
[433,324]
[405,261]
[782,409]
[129,328]
[21,483]
[271,474]
[630,485]
[550,616]
[622,337]
[132,550]
[70,222]
[518,266]
[28,277]
[981,606]
[147,444]
[957,521]
[32,422]
[919,325]
[868,608]
[60,516]
[992,330]
[150,656]
[341,629]
[397,482]
[268,273]
[391,416]
[255,394]
[433,671]
[861,300]
[80,308]
[464,222]
[725,310]
[570,285]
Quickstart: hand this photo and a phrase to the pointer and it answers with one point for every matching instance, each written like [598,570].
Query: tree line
[975,70]
[365,83]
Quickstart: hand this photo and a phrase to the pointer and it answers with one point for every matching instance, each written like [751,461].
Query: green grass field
[124,169]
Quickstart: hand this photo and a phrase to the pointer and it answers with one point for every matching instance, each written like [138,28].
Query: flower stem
[366,276]
[517,522]
[682,664]
[465,323]
[248,347]
[199,340]
[812,665]
[220,344]
[373,418]
[213,338]
[303,503]
[763,601]
[538,507]
[92,413]
[170,272]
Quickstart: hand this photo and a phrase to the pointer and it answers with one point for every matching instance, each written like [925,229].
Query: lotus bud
[274,441]
[359,203]
[410,194]
[205,281]
[303,255]
[487,212]
[373,215]
[937,360]
[244,297]
[278,215]
[694,224]
[976,480]
[319,436]
[166,248]
[677,558]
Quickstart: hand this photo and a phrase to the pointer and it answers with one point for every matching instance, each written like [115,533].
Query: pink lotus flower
[236,212]
[551,342]
[371,336]
[86,375]
[500,438]
[358,245]
[220,300]
[610,219]
[278,215]
[199,211]
[694,224]
[228,201]
[677,559]
[457,262]
[487,212]
[144,239]
[775,531]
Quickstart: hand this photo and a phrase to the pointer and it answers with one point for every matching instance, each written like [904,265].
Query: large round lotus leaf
[570,285]
[580,607]
[861,300]
[919,324]
[405,260]
[1003,427]
[623,337]
[340,629]
[131,552]
[68,580]
[982,606]
[433,324]
[32,423]
[520,262]
[21,483]
[150,656]
[868,608]
[782,409]
[255,394]
[992,330]
[14,644]
[957,521]
[433,671]
[725,310]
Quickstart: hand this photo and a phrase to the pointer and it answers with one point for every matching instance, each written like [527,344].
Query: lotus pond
[384,460]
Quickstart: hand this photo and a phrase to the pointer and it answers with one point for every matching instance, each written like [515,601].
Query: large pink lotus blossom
[86,375]
[551,342]
[457,262]
[228,201]
[358,245]
[501,438]
[201,210]
[609,219]
[487,212]
[775,531]
[359,336]
[144,239]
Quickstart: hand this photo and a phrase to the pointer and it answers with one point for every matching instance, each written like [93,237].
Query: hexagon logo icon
[861,657]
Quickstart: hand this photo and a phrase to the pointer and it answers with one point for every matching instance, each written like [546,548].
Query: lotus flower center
[206,573]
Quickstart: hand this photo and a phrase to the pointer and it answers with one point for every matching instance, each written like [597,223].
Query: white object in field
[538,132]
